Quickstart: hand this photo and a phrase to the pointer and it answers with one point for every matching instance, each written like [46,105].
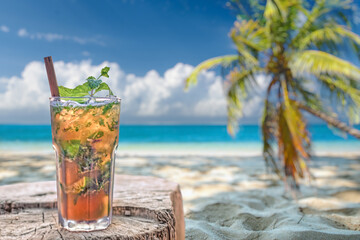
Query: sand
[234,197]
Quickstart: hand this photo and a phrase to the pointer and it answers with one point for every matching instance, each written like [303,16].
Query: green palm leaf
[268,130]
[295,123]
[294,165]
[224,61]
[249,38]
[319,63]
[271,10]
[321,8]
[293,138]
[278,8]
[237,94]
[347,95]
[333,34]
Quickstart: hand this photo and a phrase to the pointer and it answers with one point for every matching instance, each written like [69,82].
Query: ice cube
[91,101]
[73,104]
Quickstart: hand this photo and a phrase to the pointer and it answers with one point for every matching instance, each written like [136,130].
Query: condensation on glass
[85,134]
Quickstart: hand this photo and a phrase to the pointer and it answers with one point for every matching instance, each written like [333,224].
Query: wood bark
[143,208]
[331,120]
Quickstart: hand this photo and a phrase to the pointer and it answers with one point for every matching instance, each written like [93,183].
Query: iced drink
[85,135]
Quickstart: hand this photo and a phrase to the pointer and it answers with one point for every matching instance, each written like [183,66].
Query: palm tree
[296,44]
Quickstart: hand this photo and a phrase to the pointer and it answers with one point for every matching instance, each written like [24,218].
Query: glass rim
[85,97]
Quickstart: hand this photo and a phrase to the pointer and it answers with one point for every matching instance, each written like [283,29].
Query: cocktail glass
[85,132]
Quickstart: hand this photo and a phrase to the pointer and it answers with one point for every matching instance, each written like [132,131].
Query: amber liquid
[85,139]
[92,205]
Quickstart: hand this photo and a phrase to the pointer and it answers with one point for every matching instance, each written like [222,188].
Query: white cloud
[50,37]
[152,98]
[214,103]
[4,28]
[154,95]
[23,33]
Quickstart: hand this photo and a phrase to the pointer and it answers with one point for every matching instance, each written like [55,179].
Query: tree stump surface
[143,208]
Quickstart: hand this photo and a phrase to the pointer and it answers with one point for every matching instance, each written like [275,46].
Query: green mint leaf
[107,107]
[89,88]
[96,135]
[104,72]
[103,86]
[101,122]
[91,78]
[94,83]
[71,148]
[79,91]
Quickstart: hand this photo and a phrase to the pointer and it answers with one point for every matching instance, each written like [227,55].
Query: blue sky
[151,47]
[139,35]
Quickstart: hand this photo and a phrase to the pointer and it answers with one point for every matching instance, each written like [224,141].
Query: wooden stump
[143,208]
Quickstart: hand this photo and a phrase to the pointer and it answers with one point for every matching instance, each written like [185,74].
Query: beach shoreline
[138,152]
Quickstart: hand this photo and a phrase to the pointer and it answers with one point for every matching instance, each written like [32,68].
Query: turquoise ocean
[181,139]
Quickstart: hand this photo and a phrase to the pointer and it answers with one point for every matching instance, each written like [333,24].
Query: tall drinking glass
[85,134]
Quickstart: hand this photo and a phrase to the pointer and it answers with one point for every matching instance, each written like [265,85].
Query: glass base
[85,226]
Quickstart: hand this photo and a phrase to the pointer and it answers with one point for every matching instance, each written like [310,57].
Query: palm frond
[313,17]
[237,92]
[271,10]
[319,63]
[343,31]
[293,137]
[235,98]
[334,34]
[295,123]
[347,95]
[316,12]
[278,8]
[249,35]
[224,61]
[280,18]
[294,165]
[338,4]
[319,37]
[268,130]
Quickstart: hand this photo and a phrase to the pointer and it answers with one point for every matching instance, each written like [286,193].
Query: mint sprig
[90,87]
[104,72]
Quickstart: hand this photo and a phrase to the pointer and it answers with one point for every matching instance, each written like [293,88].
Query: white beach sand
[233,197]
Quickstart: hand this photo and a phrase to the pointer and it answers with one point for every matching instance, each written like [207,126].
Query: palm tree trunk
[331,120]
